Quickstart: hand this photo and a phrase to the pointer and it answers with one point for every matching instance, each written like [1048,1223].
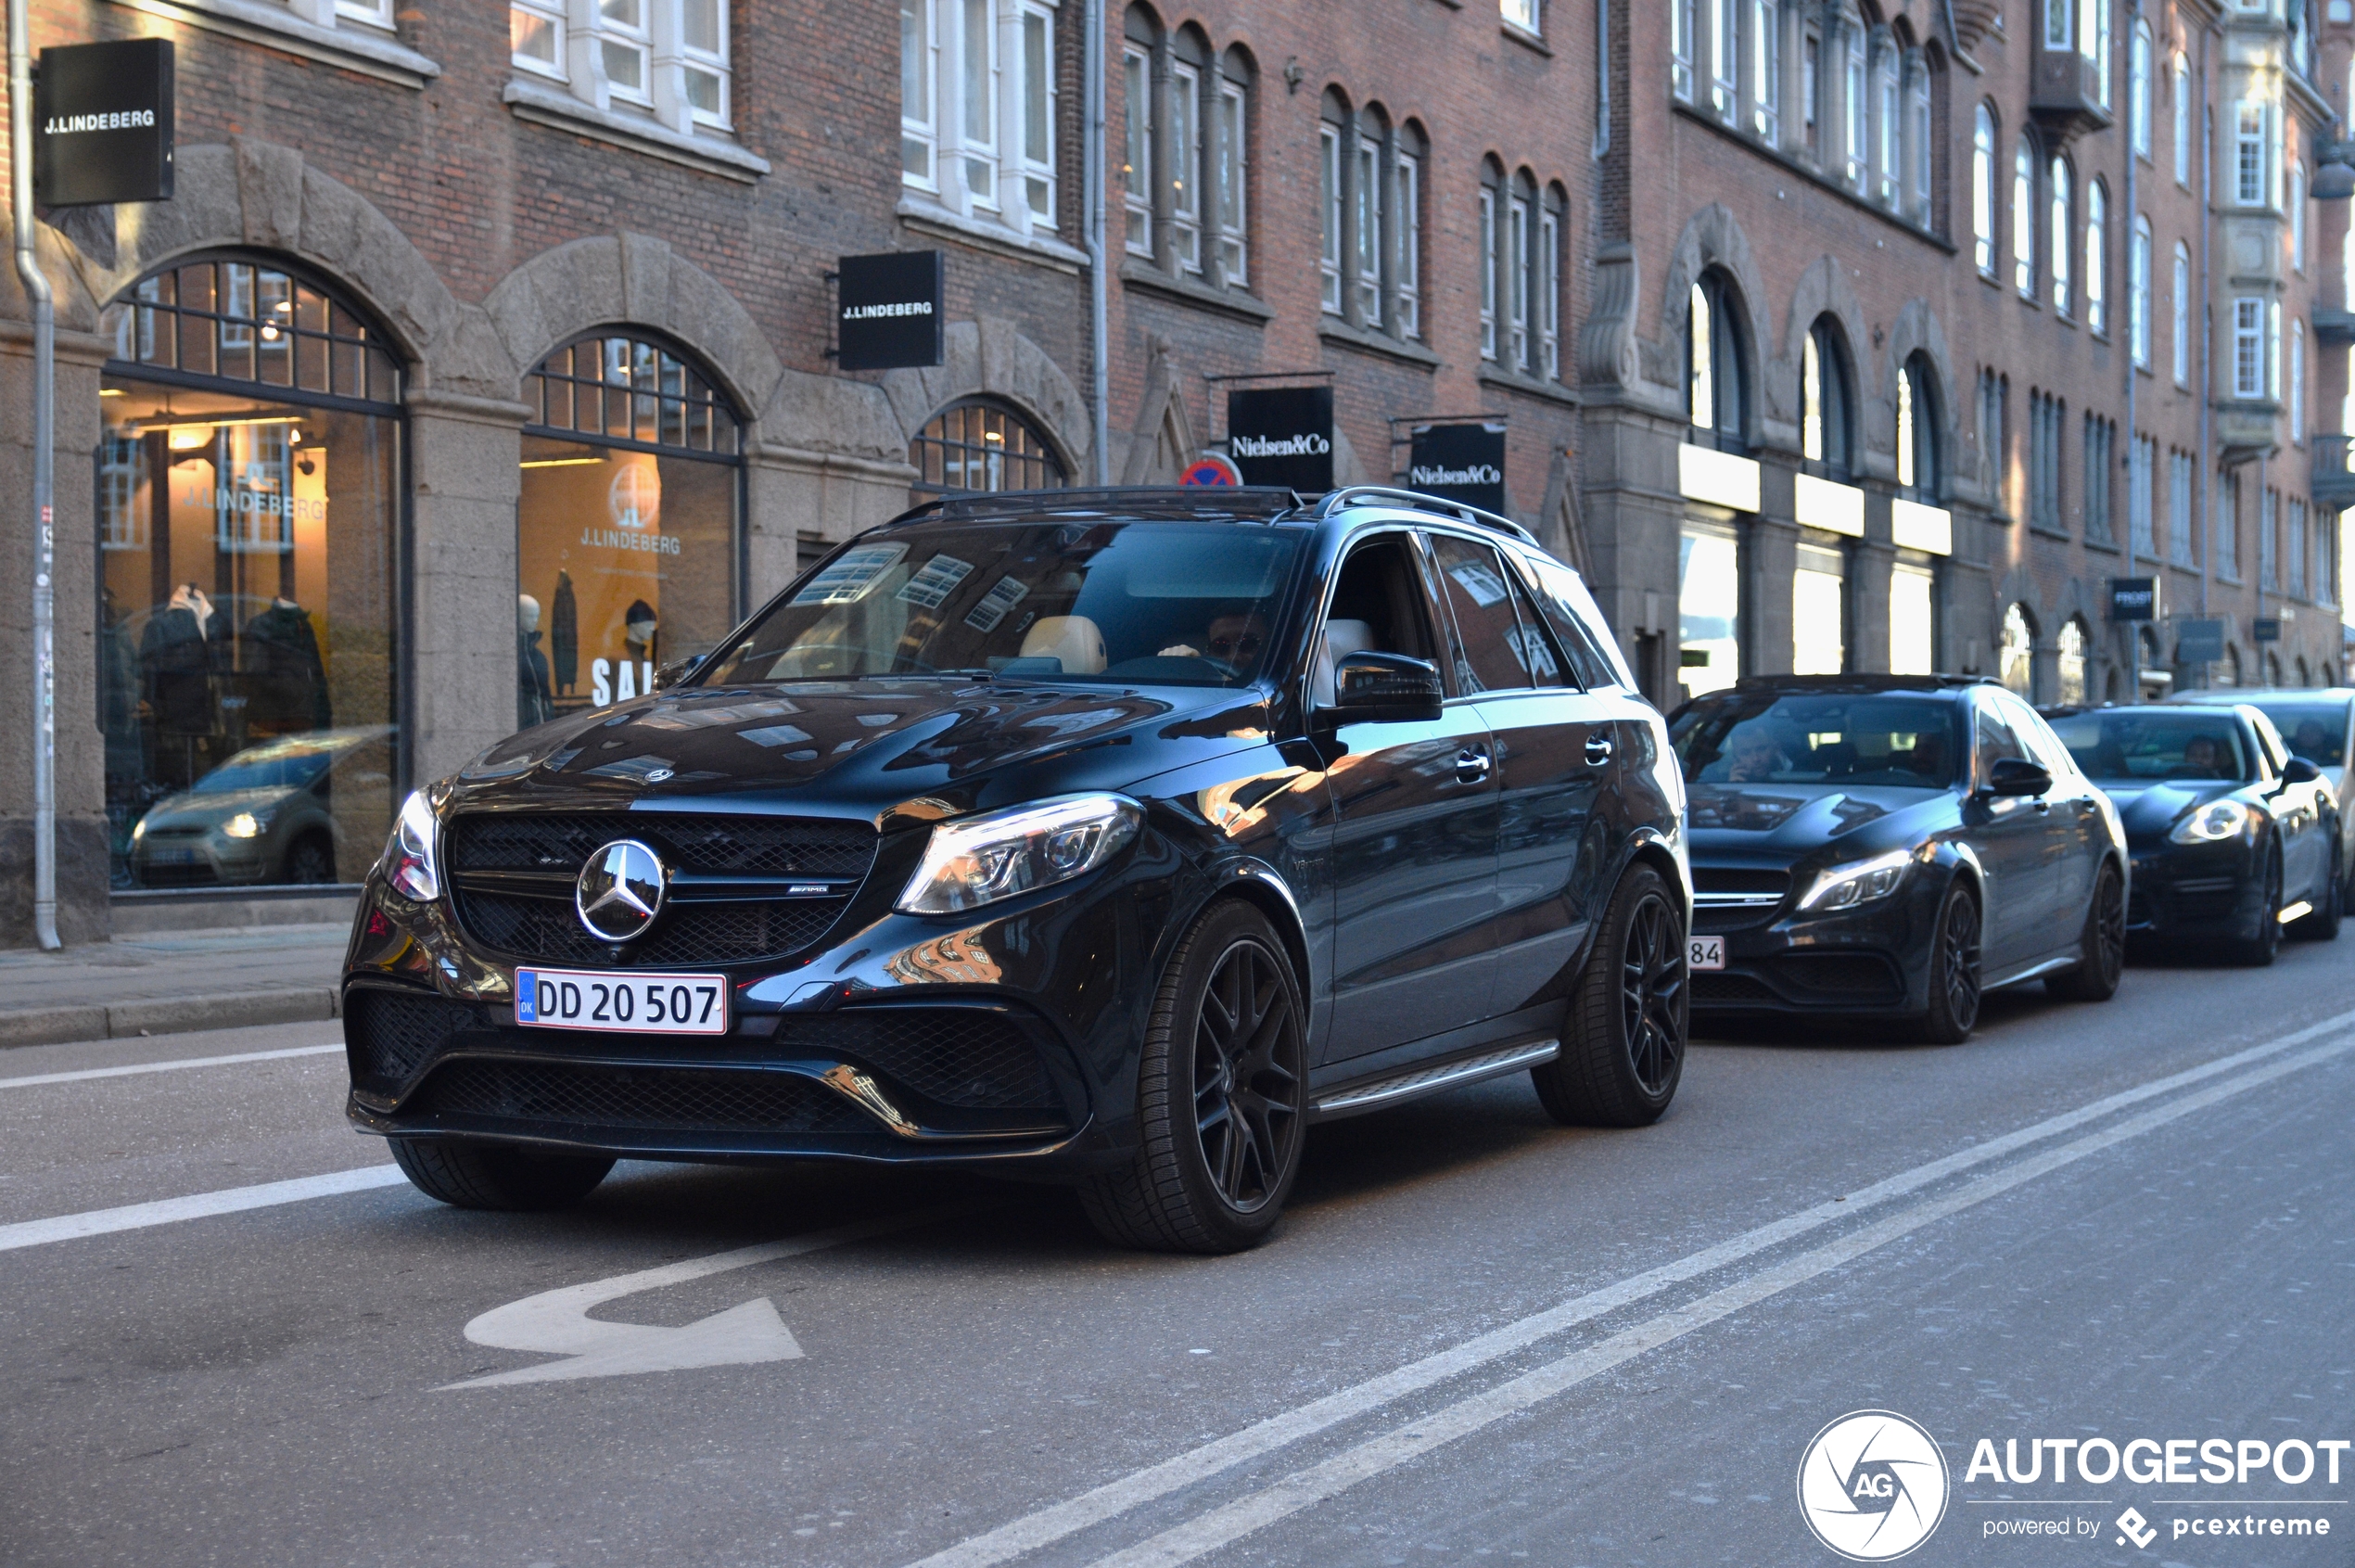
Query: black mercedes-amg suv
[1109,836]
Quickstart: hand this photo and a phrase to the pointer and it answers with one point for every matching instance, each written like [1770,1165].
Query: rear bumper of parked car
[2183,891]
[1871,961]
[999,1043]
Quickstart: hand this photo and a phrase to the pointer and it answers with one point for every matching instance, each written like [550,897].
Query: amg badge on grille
[620,891]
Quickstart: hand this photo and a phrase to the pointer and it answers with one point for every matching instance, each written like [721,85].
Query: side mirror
[2018,775]
[1372,688]
[2299,771]
[675,671]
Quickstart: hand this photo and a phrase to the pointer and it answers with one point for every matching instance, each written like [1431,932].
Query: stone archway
[992,358]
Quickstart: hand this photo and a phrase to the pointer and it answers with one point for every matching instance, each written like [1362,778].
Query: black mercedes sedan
[2233,837]
[1108,838]
[1894,846]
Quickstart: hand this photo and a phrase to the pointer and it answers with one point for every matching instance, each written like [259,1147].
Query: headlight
[999,854]
[245,825]
[409,854]
[2212,824]
[138,830]
[1859,882]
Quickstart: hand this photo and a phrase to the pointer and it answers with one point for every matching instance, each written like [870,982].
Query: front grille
[953,1056]
[1730,990]
[2202,900]
[547,930]
[651,1098]
[390,1037]
[1730,879]
[702,842]
[1711,919]
[1852,978]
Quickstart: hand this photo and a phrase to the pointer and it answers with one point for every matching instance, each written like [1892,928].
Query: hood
[1793,816]
[2147,810]
[863,747]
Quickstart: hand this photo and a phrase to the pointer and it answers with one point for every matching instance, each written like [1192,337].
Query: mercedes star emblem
[620,891]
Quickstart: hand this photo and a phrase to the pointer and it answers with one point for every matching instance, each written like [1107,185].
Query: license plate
[575,998]
[171,857]
[1706,952]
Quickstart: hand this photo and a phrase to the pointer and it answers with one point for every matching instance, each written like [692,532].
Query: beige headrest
[1074,639]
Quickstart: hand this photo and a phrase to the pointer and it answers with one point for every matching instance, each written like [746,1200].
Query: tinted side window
[1473,582]
[1561,598]
[1536,649]
[2043,747]
[1994,742]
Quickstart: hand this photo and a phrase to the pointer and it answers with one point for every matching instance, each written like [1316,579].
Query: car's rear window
[1133,603]
[1892,741]
[2145,744]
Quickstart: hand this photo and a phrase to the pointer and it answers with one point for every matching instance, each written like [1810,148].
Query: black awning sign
[1282,435]
[889,310]
[2133,598]
[103,123]
[1462,463]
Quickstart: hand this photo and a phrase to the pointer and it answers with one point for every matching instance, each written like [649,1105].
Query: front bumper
[2188,890]
[1873,961]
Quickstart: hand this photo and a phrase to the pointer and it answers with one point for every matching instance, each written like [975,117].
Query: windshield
[1163,604]
[1828,739]
[2143,745]
[266,767]
[2316,730]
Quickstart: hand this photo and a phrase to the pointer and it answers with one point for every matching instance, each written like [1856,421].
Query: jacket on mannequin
[285,681]
[563,635]
[176,657]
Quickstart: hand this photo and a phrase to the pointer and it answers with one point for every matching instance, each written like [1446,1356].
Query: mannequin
[176,657]
[286,681]
[563,635]
[534,702]
[638,627]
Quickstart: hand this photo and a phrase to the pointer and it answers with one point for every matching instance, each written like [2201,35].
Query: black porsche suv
[1110,837]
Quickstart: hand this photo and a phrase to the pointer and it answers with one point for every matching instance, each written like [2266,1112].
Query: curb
[165,1016]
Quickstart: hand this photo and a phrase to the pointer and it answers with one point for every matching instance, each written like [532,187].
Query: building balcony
[2066,93]
[2334,480]
[2248,429]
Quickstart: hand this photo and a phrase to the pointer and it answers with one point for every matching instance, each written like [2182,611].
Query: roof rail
[1264,503]
[1355,495]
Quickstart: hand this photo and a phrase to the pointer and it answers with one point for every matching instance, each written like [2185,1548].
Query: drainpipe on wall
[2211,489]
[1098,353]
[44,533]
[2150,297]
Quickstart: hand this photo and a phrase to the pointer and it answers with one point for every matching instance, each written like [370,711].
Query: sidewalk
[167,982]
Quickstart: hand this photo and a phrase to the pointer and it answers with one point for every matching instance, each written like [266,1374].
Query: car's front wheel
[2258,950]
[2330,906]
[1622,1048]
[1954,970]
[1221,1095]
[493,1176]
[2104,944]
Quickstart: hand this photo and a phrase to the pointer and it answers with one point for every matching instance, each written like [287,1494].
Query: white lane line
[197,1206]
[85,1074]
[1305,1489]
[1057,1520]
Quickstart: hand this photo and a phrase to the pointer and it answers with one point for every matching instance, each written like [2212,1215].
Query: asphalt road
[1478,1335]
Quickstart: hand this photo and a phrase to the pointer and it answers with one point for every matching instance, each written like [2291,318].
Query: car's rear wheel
[2104,942]
[1221,1091]
[1954,970]
[1622,1049]
[2258,950]
[311,859]
[2329,906]
[494,1176]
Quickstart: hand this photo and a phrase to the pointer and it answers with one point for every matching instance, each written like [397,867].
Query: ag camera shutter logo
[1873,1486]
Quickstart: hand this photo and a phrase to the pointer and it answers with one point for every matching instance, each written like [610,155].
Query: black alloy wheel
[311,860]
[2104,943]
[2258,950]
[1624,1029]
[1954,970]
[1222,1084]
[2329,906]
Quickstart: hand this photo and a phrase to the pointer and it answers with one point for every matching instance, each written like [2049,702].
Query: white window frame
[1526,15]
[1185,139]
[2024,218]
[1982,189]
[2298,216]
[1137,150]
[1488,271]
[1548,287]
[1036,104]
[2138,90]
[2138,293]
[2248,152]
[1889,100]
[2297,381]
[2096,289]
[1724,59]
[1407,291]
[2057,33]
[550,16]
[2183,90]
[2061,230]
[1233,195]
[1331,199]
[1857,118]
[2178,508]
[2248,347]
[983,162]
[2105,64]
[2183,308]
[2141,507]
[1767,70]
[2273,350]
[1519,238]
[1683,19]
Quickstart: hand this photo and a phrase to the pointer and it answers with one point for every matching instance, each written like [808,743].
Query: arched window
[2097,256]
[2229,673]
[2024,219]
[1982,189]
[627,538]
[1917,455]
[2298,382]
[2105,65]
[2068,665]
[2298,216]
[1825,424]
[977,445]
[2138,90]
[2302,679]
[1715,378]
[2058,240]
[249,507]
[2183,312]
[2272,669]
[2138,292]
[2018,657]
[2180,86]
[1888,110]
[1858,101]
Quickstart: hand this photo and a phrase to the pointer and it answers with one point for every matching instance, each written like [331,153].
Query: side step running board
[1429,1080]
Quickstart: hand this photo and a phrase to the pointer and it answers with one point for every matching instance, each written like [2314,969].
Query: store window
[626,540]
[2069,663]
[1709,609]
[1912,598]
[2018,657]
[978,445]
[1818,612]
[249,510]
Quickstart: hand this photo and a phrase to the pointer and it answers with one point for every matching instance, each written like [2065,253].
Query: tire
[2322,925]
[2104,942]
[2257,951]
[1221,1091]
[1954,970]
[492,1176]
[310,859]
[1622,1048]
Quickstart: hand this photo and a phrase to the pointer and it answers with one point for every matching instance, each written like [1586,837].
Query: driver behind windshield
[1233,640]
[2202,757]
[1755,757]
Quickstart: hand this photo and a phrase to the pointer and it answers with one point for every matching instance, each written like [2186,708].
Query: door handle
[1472,766]
[1598,750]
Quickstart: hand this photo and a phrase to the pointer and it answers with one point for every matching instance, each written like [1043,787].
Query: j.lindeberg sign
[103,123]
[888,316]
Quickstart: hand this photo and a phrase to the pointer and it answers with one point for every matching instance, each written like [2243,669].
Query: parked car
[2232,838]
[1107,836]
[272,812]
[2316,724]
[1894,846]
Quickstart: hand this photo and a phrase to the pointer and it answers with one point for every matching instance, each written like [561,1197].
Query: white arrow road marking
[557,1322]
